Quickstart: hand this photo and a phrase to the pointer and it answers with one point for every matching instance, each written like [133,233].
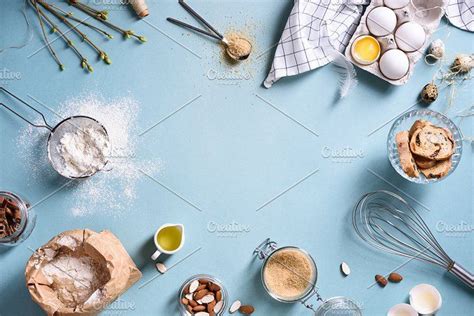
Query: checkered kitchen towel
[313,29]
[461,14]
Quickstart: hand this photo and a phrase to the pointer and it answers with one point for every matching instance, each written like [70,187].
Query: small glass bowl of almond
[202,295]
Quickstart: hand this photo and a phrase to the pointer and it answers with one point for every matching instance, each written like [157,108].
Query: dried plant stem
[69,15]
[84,63]
[91,12]
[101,15]
[45,36]
[102,54]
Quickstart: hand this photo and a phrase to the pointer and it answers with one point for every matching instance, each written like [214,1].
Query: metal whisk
[387,222]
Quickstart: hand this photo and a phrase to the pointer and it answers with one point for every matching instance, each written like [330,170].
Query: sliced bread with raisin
[419,124]
[432,142]
[406,158]
[439,170]
[424,163]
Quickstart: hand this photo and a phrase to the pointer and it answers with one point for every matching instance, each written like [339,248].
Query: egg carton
[427,13]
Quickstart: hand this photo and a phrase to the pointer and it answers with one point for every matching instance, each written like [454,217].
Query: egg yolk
[367,48]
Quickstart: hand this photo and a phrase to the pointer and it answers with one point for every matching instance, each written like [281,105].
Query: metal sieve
[333,306]
[67,125]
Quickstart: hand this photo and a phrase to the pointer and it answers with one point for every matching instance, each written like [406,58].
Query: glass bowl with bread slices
[424,146]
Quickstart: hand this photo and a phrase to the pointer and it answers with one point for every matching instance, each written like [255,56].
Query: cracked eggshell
[402,309]
[381,21]
[410,37]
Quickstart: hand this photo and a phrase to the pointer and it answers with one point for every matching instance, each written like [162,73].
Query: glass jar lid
[338,306]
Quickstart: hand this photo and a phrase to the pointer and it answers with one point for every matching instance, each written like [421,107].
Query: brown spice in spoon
[238,46]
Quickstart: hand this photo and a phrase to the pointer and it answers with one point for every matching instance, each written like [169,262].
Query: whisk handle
[462,274]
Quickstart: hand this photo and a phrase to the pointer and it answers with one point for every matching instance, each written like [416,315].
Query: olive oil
[169,238]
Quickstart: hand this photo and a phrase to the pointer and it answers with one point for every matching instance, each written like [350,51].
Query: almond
[207,298]
[193,286]
[219,296]
[210,307]
[395,277]
[201,314]
[200,287]
[161,267]
[218,307]
[184,301]
[192,303]
[246,309]
[200,294]
[199,308]
[189,309]
[234,307]
[381,280]
[213,287]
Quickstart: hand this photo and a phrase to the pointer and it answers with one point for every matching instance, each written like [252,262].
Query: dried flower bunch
[47,13]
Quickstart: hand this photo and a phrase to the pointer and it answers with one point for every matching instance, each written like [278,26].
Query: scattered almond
[161,267]
[246,309]
[395,277]
[381,280]
[345,269]
[235,307]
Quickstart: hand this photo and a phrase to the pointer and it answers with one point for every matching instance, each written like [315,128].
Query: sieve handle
[46,125]
[462,274]
[200,18]
[186,25]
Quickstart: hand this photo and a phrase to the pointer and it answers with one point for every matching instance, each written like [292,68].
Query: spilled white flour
[83,152]
[110,191]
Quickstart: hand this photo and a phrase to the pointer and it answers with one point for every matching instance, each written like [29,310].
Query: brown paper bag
[80,272]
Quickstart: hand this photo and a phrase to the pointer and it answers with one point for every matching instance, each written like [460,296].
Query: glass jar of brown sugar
[17,219]
[289,275]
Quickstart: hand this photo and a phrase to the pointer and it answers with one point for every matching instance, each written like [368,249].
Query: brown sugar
[289,273]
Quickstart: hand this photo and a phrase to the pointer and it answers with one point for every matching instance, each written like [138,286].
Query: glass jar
[210,278]
[24,224]
[333,306]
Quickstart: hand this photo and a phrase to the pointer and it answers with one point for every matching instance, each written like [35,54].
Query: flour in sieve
[83,151]
[110,192]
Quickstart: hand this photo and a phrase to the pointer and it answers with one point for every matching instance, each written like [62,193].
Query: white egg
[396,4]
[381,21]
[402,310]
[394,64]
[410,36]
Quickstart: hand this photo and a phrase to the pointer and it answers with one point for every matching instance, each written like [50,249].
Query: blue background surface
[229,153]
